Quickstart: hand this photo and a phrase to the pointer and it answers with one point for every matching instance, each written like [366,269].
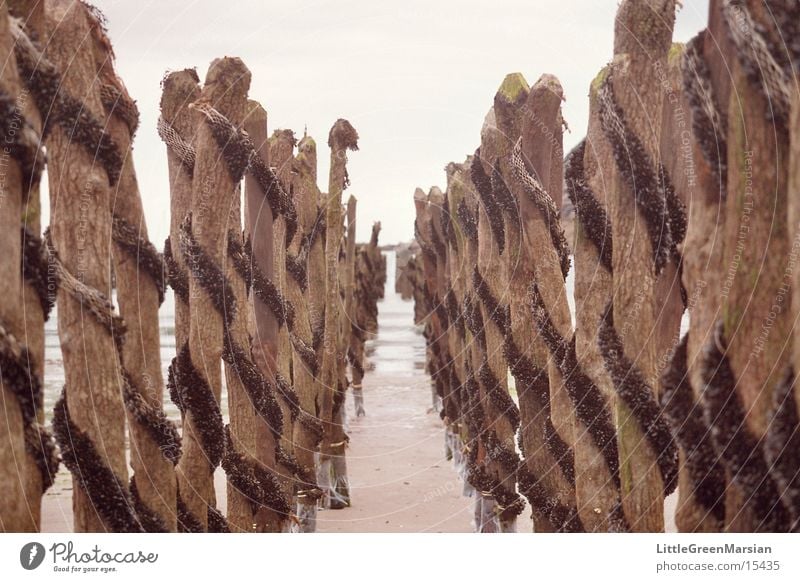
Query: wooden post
[90,418]
[204,244]
[342,138]
[254,433]
[352,327]
[479,459]
[549,381]
[757,267]
[701,480]
[784,464]
[37,295]
[155,443]
[466,429]
[340,489]
[305,361]
[306,181]
[586,174]
[630,338]
[314,242]
[435,323]
[20,401]
[488,283]
[281,150]
[177,128]
[437,244]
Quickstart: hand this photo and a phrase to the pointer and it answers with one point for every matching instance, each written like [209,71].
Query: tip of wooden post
[343,136]
[550,83]
[283,135]
[513,88]
[179,88]
[599,79]
[228,72]
[307,143]
[436,196]
[644,28]
[675,54]
[307,153]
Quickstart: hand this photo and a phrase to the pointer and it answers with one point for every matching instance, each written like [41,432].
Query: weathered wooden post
[305,361]
[38,290]
[281,157]
[434,321]
[25,292]
[745,359]
[176,127]
[489,284]
[340,488]
[212,304]
[595,448]
[312,216]
[342,137]
[630,335]
[84,162]
[466,429]
[260,429]
[352,329]
[155,443]
[437,280]
[358,327]
[532,235]
[702,181]
[784,436]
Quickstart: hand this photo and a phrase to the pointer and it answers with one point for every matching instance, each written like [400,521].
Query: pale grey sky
[415,78]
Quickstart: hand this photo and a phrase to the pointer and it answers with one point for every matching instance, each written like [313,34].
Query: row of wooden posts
[687,197]
[284,300]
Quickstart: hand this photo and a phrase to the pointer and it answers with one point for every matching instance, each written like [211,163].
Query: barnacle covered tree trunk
[454,281]
[467,429]
[785,465]
[586,175]
[530,118]
[19,501]
[342,137]
[83,162]
[281,157]
[437,243]
[305,363]
[204,244]
[481,442]
[490,282]
[256,436]
[435,314]
[341,483]
[312,216]
[352,328]
[702,182]
[38,292]
[757,262]
[630,337]
[155,445]
[176,126]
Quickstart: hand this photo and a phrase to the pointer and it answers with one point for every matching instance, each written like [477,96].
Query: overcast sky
[415,78]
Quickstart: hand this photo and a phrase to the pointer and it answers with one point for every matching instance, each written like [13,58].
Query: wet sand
[399,478]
